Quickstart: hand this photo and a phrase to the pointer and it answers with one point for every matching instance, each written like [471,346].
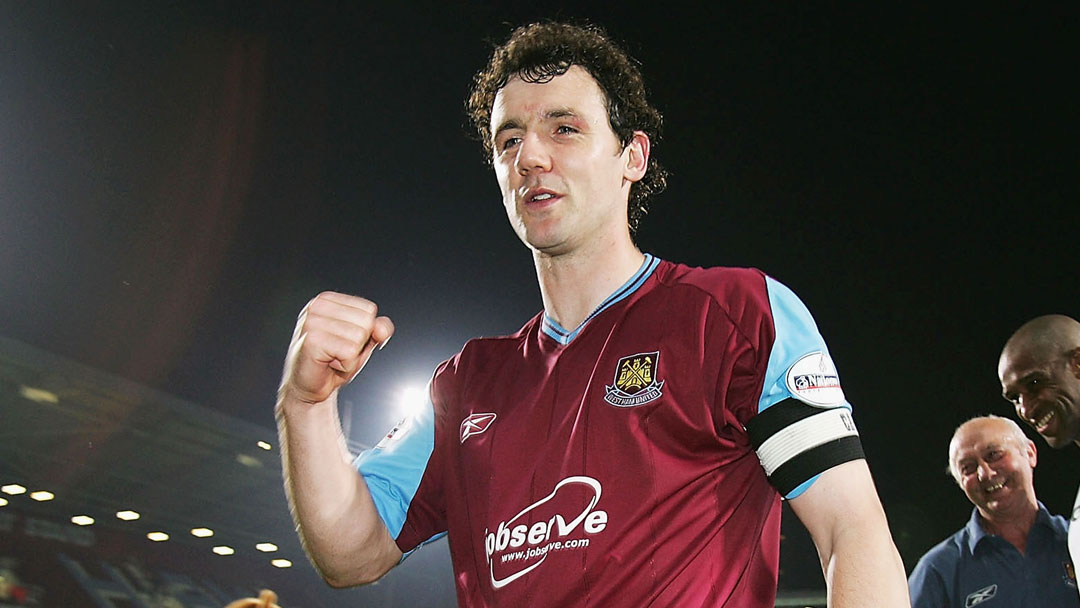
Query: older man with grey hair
[1012,552]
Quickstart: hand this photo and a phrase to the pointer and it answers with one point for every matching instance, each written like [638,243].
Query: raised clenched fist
[334,337]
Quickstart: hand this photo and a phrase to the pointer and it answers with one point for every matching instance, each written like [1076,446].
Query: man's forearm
[333,510]
[842,512]
[865,569]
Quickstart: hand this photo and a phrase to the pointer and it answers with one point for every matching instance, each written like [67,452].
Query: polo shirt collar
[976,532]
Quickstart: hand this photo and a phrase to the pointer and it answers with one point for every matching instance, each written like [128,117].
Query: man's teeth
[1041,422]
[542,197]
[994,488]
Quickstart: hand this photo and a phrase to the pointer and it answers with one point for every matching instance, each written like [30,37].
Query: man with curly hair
[630,445]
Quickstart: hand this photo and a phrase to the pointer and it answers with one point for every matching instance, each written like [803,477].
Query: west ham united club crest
[635,381]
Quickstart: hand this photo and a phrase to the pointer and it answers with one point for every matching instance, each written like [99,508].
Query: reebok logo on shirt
[980,596]
[476,424]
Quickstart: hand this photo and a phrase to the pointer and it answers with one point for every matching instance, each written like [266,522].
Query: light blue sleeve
[393,468]
[797,338]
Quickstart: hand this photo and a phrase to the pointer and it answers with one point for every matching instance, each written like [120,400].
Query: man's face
[565,177]
[1046,393]
[993,467]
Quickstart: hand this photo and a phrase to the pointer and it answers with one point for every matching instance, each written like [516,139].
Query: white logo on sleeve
[813,379]
[523,542]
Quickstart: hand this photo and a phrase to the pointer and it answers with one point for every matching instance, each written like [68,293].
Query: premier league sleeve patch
[813,380]
[394,434]
[635,381]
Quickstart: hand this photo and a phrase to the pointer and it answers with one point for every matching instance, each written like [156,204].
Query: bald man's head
[1039,369]
[993,462]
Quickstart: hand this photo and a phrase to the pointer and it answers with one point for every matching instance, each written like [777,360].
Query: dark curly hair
[542,51]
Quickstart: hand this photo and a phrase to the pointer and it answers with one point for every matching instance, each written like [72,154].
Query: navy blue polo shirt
[972,568]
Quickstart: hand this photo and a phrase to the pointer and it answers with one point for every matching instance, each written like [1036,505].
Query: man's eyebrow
[561,113]
[1028,377]
[513,123]
[508,124]
[1019,382]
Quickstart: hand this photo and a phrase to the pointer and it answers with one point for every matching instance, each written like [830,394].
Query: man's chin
[1057,441]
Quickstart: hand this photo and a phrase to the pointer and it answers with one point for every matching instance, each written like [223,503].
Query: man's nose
[532,155]
[1025,407]
[985,471]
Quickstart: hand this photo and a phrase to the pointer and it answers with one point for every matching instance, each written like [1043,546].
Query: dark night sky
[178,179]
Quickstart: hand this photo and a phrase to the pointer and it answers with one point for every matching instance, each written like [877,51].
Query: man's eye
[509,142]
[565,130]
[994,455]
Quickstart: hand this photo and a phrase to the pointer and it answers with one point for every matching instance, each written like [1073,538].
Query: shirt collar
[976,532]
[564,336]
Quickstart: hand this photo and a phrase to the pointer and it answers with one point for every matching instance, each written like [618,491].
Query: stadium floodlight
[82,520]
[264,445]
[13,489]
[202,532]
[127,515]
[157,537]
[410,400]
[266,547]
[281,563]
[3,501]
[224,550]
[42,495]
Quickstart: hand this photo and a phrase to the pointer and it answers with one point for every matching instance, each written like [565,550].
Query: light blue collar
[563,336]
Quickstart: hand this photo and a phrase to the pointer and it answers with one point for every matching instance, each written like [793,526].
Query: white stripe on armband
[808,433]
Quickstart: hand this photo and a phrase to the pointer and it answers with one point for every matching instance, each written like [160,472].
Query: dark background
[178,178]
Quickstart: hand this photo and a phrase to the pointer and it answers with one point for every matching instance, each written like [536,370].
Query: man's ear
[1074,362]
[636,155]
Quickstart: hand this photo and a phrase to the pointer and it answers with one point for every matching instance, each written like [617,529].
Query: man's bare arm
[844,516]
[334,512]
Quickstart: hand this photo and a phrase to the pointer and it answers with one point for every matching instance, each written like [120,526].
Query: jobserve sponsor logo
[563,520]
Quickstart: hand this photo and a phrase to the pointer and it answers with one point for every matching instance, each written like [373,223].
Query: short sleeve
[804,425]
[401,475]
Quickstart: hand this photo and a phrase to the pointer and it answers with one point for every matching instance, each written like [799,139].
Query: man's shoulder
[933,579]
[947,552]
[721,283]
[673,273]
[951,546]
[491,347]
[1058,524]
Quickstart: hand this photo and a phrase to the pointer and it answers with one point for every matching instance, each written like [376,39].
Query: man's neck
[574,284]
[1013,528]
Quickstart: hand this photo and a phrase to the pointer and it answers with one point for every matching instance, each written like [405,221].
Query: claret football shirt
[636,460]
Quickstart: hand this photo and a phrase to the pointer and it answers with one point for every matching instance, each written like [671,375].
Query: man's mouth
[536,195]
[1042,422]
[994,488]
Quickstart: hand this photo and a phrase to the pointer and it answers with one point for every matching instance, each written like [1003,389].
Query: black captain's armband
[795,441]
